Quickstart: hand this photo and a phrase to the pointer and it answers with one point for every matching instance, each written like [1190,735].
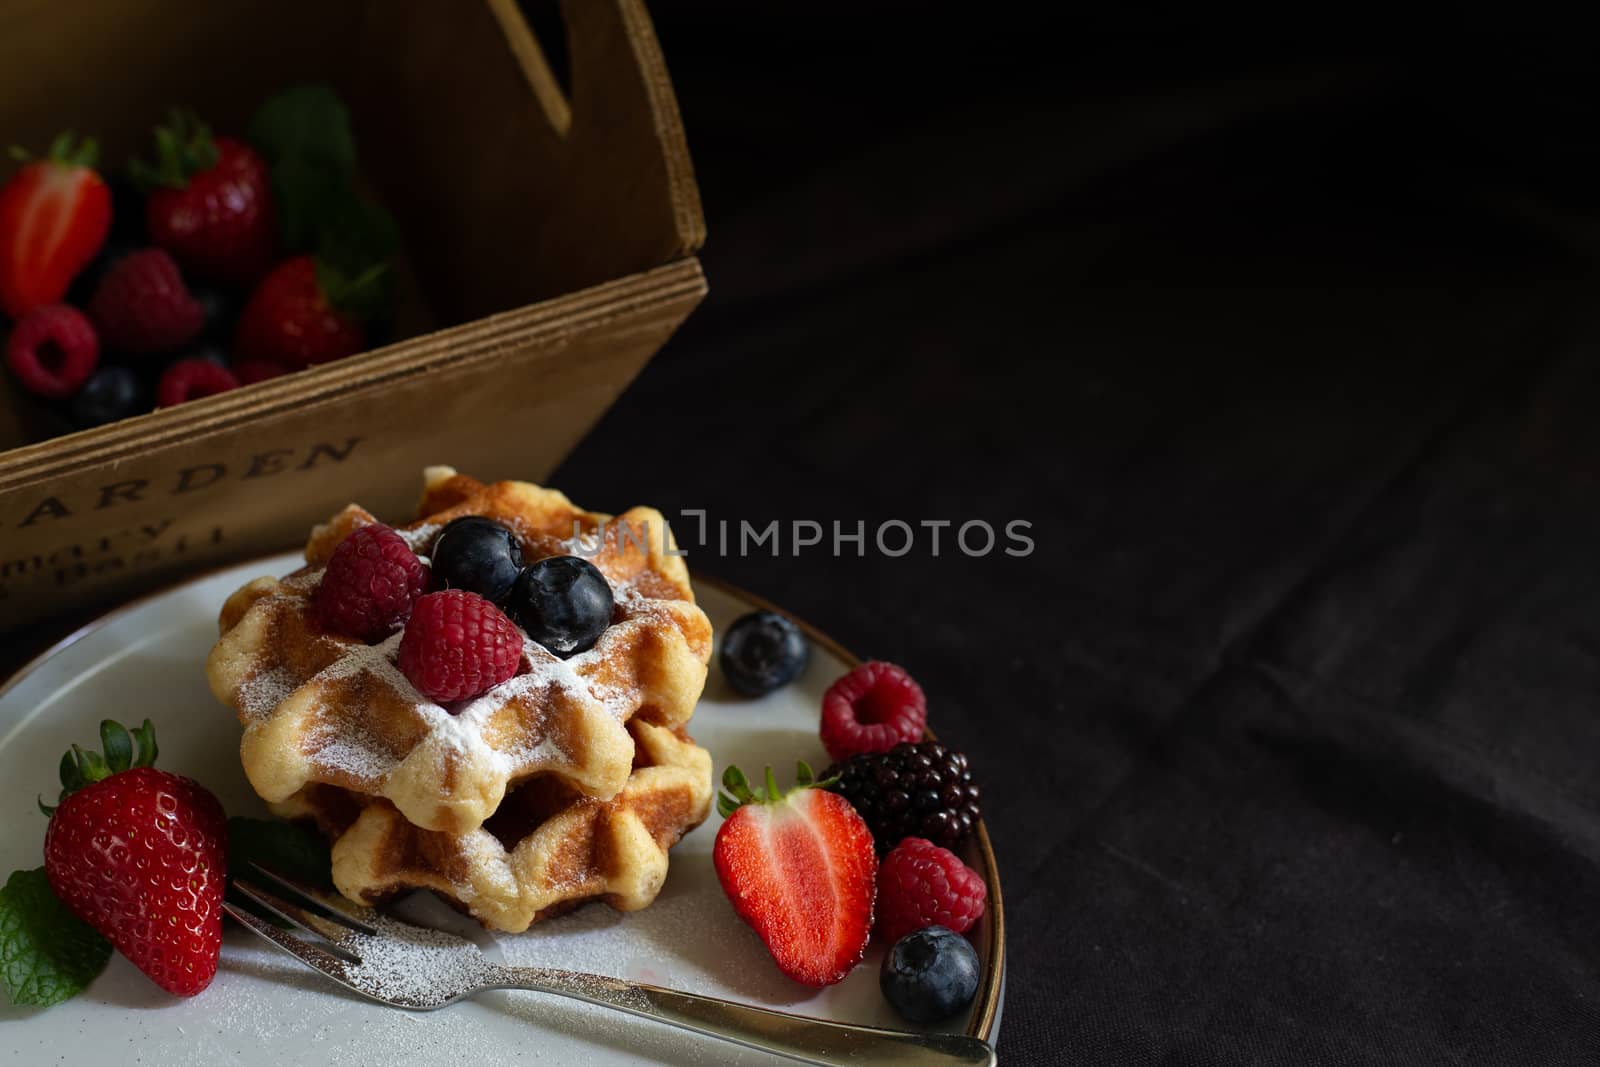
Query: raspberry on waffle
[319,708]
[547,850]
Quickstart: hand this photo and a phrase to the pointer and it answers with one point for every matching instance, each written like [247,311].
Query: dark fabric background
[1289,726]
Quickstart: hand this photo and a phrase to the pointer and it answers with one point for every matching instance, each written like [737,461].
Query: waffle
[321,709]
[545,851]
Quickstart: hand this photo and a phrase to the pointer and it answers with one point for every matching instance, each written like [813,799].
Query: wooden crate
[549,247]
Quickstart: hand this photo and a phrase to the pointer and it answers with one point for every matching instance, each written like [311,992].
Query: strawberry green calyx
[66,149]
[183,148]
[121,750]
[739,792]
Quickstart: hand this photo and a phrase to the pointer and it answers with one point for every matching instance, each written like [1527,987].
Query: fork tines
[305,909]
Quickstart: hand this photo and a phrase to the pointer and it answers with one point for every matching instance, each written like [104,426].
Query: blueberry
[929,975]
[563,602]
[221,309]
[763,651]
[111,393]
[478,555]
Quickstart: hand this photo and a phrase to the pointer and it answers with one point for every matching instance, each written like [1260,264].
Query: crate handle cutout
[551,83]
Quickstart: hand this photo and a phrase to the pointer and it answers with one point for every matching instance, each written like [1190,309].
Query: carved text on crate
[130,549]
[190,479]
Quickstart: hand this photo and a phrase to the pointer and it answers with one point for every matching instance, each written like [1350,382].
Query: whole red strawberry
[290,319]
[209,201]
[800,868]
[54,216]
[141,856]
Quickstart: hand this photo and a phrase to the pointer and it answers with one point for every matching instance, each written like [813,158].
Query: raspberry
[250,371]
[922,790]
[53,350]
[458,645]
[872,709]
[141,305]
[372,581]
[191,379]
[920,885]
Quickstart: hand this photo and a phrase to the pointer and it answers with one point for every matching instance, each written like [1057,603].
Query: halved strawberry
[800,868]
[54,216]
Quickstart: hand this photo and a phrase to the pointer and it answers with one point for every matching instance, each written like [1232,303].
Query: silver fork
[422,969]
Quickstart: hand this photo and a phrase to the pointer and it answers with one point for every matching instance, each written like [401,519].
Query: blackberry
[912,790]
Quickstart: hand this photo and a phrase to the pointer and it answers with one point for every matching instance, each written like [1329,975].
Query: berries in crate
[384,288]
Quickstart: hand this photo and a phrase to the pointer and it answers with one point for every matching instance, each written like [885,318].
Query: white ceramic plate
[146,661]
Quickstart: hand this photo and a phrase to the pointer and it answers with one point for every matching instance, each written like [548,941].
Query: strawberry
[54,216]
[800,868]
[140,855]
[292,319]
[209,201]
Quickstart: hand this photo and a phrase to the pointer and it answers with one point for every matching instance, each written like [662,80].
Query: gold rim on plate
[992,983]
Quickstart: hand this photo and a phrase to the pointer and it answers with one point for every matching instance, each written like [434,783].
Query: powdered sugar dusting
[264,691]
[415,966]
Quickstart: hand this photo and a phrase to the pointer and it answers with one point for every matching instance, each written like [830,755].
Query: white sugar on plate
[414,965]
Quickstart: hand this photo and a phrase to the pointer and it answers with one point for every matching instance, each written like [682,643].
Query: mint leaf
[357,234]
[47,954]
[285,848]
[304,192]
[304,133]
[307,122]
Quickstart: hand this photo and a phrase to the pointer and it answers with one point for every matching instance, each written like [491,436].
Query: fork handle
[814,1041]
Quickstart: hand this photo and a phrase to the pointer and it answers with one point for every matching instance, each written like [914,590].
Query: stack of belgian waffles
[567,783]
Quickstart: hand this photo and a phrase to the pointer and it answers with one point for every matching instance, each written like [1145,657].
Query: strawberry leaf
[72,779]
[47,954]
[367,295]
[738,792]
[183,148]
[81,766]
[91,764]
[145,738]
[116,744]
